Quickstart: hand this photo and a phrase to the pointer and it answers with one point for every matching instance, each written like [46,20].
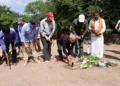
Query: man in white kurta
[97,40]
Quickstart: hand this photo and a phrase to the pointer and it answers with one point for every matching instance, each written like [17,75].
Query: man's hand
[25,45]
[92,30]
[35,41]
[78,37]
[95,32]
[14,47]
[52,41]
[6,54]
[32,46]
[98,34]
[47,38]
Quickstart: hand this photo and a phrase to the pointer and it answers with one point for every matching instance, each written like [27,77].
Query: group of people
[70,42]
[25,37]
[74,39]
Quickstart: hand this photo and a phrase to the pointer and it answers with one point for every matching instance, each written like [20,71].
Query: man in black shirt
[65,43]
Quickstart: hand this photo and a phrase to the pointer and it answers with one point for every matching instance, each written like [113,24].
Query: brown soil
[58,73]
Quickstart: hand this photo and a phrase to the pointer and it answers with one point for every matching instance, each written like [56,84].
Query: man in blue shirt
[28,38]
[8,36]
[18,30]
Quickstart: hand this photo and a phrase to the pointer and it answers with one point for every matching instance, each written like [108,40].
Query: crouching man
[28,38]
[7,38]
[65,44]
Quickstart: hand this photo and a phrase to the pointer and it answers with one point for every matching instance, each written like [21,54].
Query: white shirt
[97,25]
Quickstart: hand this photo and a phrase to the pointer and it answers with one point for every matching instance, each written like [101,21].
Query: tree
[67,10]
[111,11]
[38,8]
[7,17]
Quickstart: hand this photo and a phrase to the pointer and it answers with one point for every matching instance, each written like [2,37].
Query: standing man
[79,28]
[97,27]
[18,30]
[38,47]
[47,28]
[8,37]
[28,38]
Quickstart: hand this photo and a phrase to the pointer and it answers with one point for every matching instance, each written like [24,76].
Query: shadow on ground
[114,51]
[111,57]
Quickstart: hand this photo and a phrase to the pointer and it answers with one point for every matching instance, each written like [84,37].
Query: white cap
[81,18]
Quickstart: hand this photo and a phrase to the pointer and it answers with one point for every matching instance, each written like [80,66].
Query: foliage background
[65,12]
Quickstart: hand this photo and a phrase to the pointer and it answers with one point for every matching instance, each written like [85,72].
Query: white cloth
[117,25]
[97,43]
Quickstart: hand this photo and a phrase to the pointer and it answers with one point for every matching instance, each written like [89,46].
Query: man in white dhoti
[97,27]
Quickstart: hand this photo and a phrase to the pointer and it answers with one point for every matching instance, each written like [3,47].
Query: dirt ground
[58,74]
